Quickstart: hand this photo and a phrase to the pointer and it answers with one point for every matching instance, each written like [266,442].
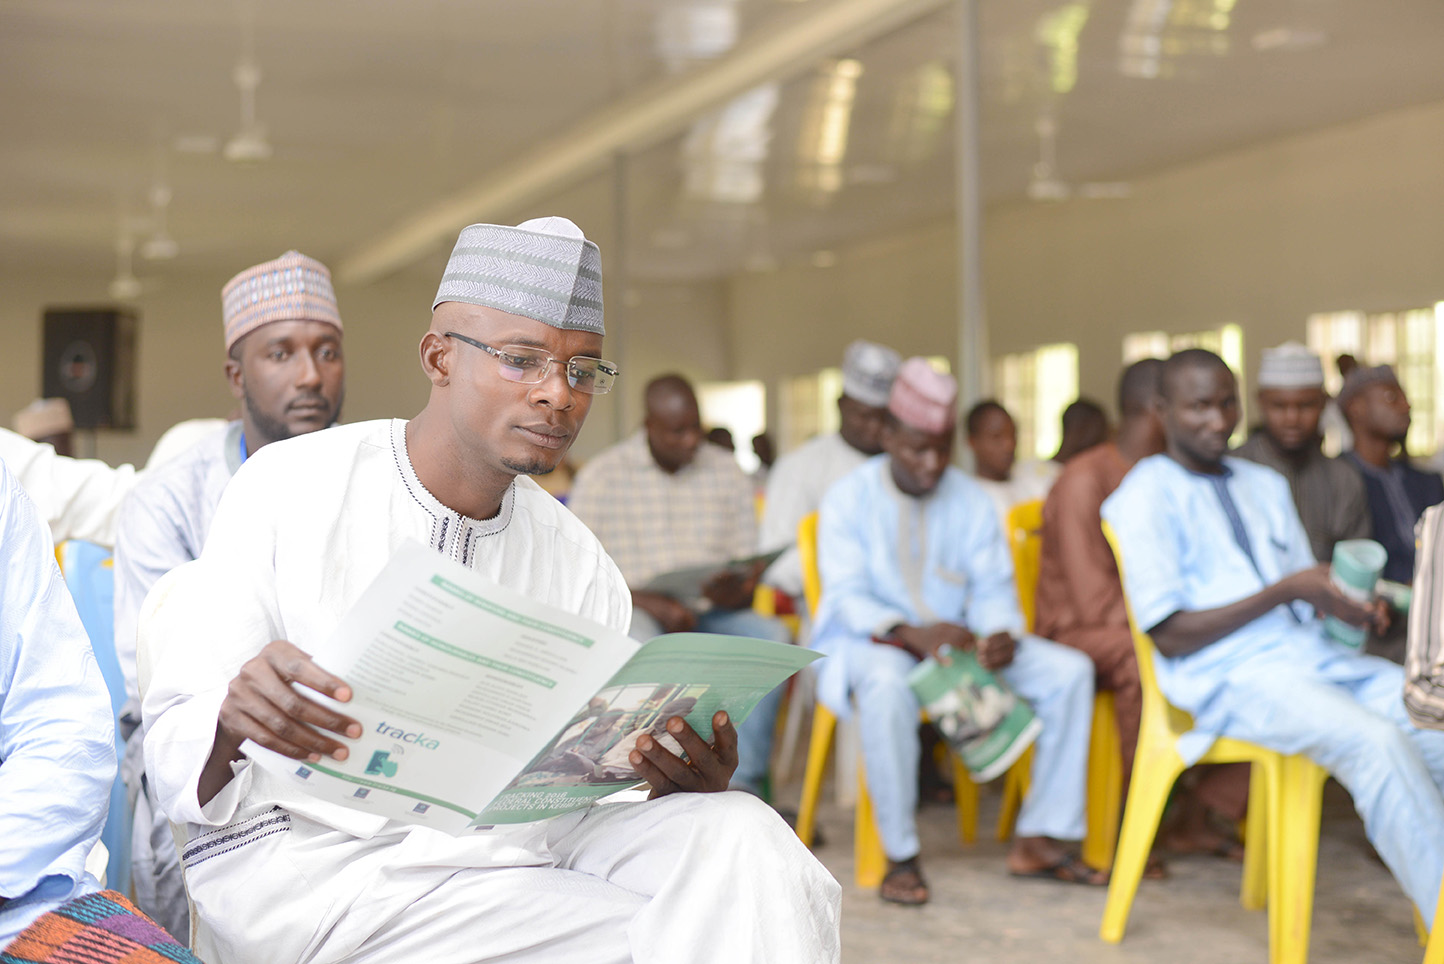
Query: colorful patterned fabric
[102,928]
[291,288]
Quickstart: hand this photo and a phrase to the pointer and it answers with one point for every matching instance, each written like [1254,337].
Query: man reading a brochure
[913,562]
[278,875]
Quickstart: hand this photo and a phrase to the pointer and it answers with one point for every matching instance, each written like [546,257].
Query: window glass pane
[1035,386]
[741,408]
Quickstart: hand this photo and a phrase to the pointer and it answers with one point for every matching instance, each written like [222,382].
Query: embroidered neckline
[452,534]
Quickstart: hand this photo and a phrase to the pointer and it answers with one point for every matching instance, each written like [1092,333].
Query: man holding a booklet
[914,565]
[280,874]
[677,515]
[1219,571]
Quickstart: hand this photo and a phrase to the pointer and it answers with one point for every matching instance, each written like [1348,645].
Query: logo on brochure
[303,772]
[361,793]
[421,808]
[416,739]
[381,765]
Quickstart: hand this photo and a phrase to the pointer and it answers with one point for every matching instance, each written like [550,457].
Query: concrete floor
[979,913]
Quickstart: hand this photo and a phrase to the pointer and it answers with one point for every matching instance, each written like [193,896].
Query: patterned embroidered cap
[1290,365]
[544,269]
[924,398]
[291,288]
[867,372]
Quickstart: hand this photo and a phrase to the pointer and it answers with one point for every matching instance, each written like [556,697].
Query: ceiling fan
[250,143]
[1045,185]
[125,286]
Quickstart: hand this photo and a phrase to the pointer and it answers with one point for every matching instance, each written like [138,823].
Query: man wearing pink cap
[284,364]
[913,561]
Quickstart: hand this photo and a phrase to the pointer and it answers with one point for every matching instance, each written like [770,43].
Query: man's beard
[275,429]
[534,467]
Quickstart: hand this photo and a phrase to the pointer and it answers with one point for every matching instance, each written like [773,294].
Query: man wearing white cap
[913,560]
[513,356]
[797,482]
[284,364]
[1328,492]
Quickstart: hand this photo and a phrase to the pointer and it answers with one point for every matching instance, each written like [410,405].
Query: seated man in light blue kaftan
[912,558]
[1219,570]
[57,736]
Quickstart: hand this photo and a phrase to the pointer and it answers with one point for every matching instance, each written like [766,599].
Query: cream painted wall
[180,352]
[1349,217]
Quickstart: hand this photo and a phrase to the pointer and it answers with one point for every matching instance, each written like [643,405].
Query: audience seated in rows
[913,564]
[1328,493]
[1080,604]
[993,438]
[800,478]
[1219,570]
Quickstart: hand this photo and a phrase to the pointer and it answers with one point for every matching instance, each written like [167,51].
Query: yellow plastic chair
[1105,752]
[1285,797]
[869,858]
[1434,948]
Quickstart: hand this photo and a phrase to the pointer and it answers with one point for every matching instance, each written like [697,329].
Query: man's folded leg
[721,876]
[1347,716]
[1057,682]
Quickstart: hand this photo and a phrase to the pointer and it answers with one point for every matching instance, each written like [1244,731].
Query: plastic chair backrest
[1143,648]
[807,555]
[1025,536]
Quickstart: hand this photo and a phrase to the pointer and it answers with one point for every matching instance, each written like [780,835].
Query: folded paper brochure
[481,706]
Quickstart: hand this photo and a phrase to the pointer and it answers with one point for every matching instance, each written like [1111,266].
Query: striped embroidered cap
[544,269]
[291,288]
[1290,365]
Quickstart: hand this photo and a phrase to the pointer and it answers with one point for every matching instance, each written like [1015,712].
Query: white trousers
[691,877]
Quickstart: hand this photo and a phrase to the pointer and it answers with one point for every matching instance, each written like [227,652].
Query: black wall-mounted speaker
[89,359]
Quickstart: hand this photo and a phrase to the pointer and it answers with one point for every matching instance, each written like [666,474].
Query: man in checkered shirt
[662,500]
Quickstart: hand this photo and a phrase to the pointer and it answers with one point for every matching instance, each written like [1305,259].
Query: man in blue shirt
[57,738]
[912,560]
[1219,570]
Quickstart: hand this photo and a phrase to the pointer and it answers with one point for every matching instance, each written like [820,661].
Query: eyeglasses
[530,366]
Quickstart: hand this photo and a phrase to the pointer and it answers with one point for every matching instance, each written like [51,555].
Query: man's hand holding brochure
[480,706]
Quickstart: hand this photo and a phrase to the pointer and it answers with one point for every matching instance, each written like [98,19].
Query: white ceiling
[379,109]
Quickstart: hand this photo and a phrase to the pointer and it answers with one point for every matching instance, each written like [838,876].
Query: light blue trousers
[1346,713]
[754,736]
[1055,680]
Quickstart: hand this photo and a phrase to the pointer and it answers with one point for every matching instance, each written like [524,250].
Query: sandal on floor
[1070,870]
[904,884]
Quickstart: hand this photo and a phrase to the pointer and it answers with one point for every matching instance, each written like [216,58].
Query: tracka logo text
[415,739]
